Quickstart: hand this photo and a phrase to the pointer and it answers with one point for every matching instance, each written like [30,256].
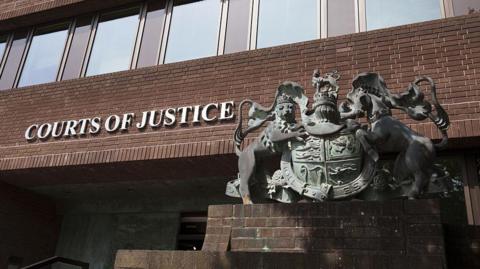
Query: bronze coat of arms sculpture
[329,155]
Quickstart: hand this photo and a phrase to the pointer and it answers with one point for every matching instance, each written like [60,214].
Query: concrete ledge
[150,259]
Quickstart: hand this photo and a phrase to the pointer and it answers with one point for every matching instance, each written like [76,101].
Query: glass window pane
[341,17]
[44,56]
[388,13]
[3,46]
[152,34]
[464,7]
[193,30]
[13,60]
[78,48]
[287,21]
[237,26]
[114,43]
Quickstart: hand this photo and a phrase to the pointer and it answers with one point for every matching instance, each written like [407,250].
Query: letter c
[29,134]
[205,111]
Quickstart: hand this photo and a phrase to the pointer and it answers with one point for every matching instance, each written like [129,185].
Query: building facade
[118,116]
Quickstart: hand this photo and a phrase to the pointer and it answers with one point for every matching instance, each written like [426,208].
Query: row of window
[165,31]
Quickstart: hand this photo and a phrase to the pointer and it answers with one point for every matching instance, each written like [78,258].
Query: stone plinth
[151,259]
[402,227]
[393,234]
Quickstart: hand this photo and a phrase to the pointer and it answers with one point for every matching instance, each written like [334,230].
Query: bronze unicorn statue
[370,97]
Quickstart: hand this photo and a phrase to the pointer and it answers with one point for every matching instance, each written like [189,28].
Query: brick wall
[28,226]
[406,228]
[391,234]
[448,50]
[10,9]
[14,8]
[15,14]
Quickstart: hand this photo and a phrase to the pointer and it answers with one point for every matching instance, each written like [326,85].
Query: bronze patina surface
[330,155]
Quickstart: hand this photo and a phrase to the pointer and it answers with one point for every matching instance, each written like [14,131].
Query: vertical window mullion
[322,18]
[362,15]
[238,26]
[223,27]
[447,8]
[250,21]
[254,24]
[151,38]
[24,57]
[138,41]
[166,31]
[90,44]
[8,46]
[163,35]
[442,9]
[71,32]
[357,17]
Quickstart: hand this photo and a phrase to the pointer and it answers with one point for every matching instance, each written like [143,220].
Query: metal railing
[56,259]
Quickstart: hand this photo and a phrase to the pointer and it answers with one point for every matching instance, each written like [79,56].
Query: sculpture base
[358,234]
[153,259]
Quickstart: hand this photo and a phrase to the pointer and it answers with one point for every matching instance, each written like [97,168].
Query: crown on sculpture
[326,88]
[285,99]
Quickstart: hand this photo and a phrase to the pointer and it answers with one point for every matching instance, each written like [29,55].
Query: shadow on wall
[101,218]
[95,238]
[29,227]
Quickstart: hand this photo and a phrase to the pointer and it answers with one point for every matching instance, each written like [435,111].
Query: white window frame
[138,38]
[66,49]
[24,57]
[8,45]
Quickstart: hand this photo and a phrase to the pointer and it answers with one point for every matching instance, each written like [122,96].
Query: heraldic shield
[327,167]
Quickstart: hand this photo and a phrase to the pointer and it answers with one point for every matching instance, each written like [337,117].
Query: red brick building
[85,193]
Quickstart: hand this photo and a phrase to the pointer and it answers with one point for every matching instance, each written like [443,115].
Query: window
[194,30]
[193,226]
[114,42]
[388,13]
[3,46]
[44,56]
[165,31]
[152,34]
[238,24]
[464,7]
[78,48]
[287,21]
[341,17]
[13,60]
